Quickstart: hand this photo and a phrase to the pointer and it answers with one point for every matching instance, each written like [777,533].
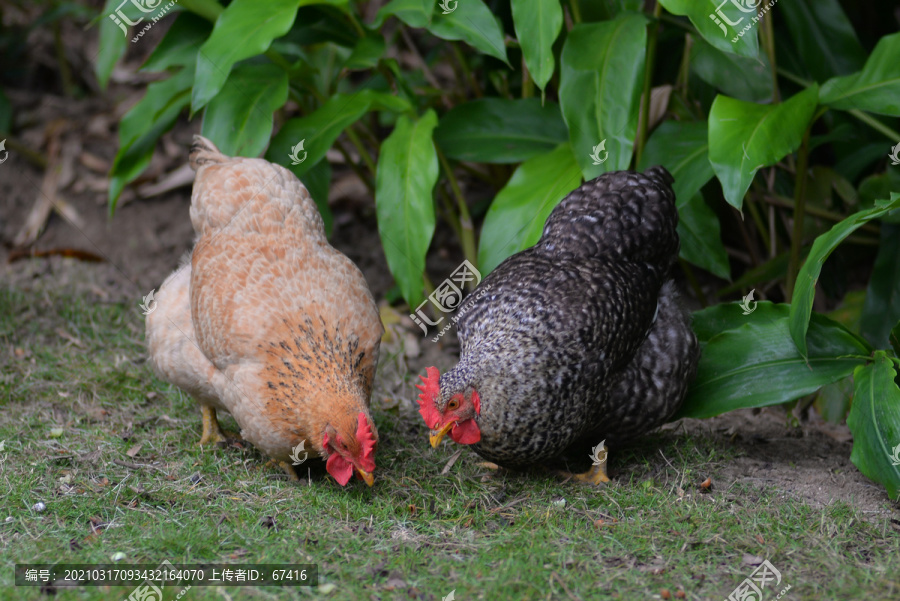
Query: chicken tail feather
[203,151]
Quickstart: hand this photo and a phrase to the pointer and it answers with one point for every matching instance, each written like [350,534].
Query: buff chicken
[268,322]
[578,341]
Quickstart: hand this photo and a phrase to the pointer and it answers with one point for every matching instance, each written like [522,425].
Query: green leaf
[881,311]
[743,137]
[682,148]
[179,46]
[737,76]
[322,127]
[500,130]
[474,24]
[602,70]
[874,421]
[239,119]
[407,172]
[143,125]
[318,181]
[724,36]
[415,13]
[805,287]
[876,88]
[367,52]
[824,37]
[113,40]
[244,29]
[755,364]
[537,24]
[516,217]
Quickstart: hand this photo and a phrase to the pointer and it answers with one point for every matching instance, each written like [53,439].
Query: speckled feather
[284,331]
[580,337]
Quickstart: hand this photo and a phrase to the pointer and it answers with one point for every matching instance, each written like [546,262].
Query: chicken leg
[212,431]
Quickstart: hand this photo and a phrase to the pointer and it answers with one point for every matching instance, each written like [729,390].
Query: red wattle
[466,432]
[340,468]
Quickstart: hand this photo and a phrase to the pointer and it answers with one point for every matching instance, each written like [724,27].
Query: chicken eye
[453,405]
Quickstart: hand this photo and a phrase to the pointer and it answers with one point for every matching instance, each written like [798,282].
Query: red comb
[430,388]
[365,438]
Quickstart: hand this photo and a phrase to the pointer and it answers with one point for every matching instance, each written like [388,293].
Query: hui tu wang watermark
[759,8]
[447,297]
[146,7]
[751,588]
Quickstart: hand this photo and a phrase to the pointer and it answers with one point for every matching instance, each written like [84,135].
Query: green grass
[417,534]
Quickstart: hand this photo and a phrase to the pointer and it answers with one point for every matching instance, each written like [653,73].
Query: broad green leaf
[244,29]
[876,88]
[755,364]
[239,119]
[701,237]
[743,137]
[415,13]
[516,217]
[723,32]
[805,287]
[367,52]
[537,24]
[318,181]
[142,126]
[874,421]
[473,23]
[737,76]
[682,148]
[823,36]
[115,30]
[179,46]
[602,70]
[500,130]
[407,172]
[881,311]
[714,320]
[321,128]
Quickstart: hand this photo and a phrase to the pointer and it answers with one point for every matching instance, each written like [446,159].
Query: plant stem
[788,203]
[767,34]
[366,157]
[576,11]
[760,224]
[644,121]
[527,82]
[356,168]
[799,214]
[466,72]
[465,219]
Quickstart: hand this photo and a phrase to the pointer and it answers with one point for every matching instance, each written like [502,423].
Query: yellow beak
[366,476]
[438,435]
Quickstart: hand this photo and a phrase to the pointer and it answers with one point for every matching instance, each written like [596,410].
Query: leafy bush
[532,97]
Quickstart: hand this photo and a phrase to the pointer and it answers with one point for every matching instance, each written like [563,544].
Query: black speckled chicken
[577,340]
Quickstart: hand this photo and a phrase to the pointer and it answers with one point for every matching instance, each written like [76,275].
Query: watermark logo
[295,454]
[595,156]
[894,156]
[895,458]
[599,453]
[447,296]
[6,152]
[295,153]
[148,305]
[145,6]
[746,303]
[148,591]
[751,588]
[448,6]
[758,7]
[450,597]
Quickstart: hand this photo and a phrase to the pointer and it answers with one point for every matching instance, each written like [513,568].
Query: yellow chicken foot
[212,432]
[596,475]
[288,469]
